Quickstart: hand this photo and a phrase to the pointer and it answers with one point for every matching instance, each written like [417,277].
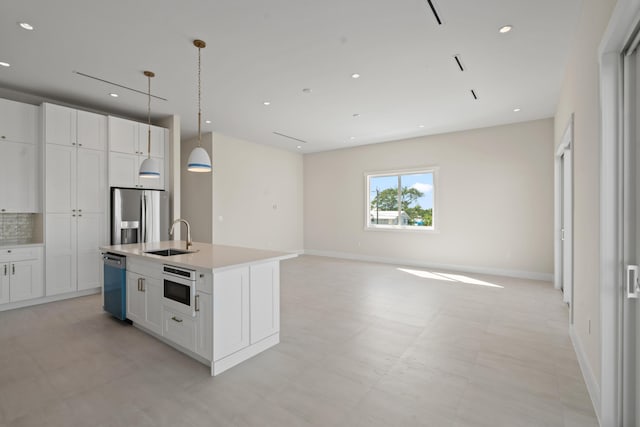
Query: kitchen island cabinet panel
[265,300]
[230,312]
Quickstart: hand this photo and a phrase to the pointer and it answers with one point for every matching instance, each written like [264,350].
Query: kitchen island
[217,304]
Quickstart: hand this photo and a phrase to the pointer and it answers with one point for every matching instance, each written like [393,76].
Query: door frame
[560,263]
[620,31]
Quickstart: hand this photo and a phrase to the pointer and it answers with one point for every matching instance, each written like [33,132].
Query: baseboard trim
[533,275]
[587,373]
[43,300]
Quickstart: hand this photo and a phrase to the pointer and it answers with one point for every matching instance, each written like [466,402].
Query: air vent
[290,137]
[474,94]
[459,62]
[118,85]
[435,12]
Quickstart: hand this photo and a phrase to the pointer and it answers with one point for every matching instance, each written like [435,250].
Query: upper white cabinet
[128,147]
[18,122]
[19,168]
[68,126]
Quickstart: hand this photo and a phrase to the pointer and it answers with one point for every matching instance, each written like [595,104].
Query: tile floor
[362,344]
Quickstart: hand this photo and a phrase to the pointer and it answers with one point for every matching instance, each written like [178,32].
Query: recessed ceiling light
[352,138]
[515,110]
[26,25]
[420,126]
[5,64]
[355,76]
[505,29]
[299,147]
[307,90]
[207,121]
[113,95]
[267,103]
[356,115]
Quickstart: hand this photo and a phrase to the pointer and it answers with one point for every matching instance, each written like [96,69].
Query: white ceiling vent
[289,137]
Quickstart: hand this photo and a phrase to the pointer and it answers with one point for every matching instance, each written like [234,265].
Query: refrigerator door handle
[143,219]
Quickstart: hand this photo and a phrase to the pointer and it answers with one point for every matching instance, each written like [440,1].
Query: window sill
[421,230]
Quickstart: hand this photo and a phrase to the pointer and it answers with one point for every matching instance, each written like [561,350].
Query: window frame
[399,172]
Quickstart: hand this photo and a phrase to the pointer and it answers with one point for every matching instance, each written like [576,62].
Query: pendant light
[150,168]
[199,160]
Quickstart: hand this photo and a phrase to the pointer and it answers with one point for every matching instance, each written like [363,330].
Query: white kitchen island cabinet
[231,312]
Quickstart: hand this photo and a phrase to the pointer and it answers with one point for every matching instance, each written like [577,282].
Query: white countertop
[207,256]
[18,244]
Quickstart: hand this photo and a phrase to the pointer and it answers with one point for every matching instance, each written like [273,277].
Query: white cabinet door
[158,138]
[123,170]
[18,121]
[18,182]
[59,125]
[91,181]
[153,290]
[61,268]
[91,130]
[265,300]
[135,299]
[5,271]
[123,136]
[60,178]
[204,325]
[90,238]
[230,311]
[26,280]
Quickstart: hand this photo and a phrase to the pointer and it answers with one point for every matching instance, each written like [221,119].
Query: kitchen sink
[169,252]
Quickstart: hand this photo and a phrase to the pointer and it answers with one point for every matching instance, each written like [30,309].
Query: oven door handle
[197,303]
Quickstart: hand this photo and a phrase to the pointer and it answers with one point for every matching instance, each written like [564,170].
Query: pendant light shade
[150,168]
[199,160]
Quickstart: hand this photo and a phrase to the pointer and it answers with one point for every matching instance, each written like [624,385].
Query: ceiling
[259,51]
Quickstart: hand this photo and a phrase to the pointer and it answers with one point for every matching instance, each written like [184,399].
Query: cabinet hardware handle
[13,269]
[79,214]
[73,143]
[142,284]
[5,269]
[175,319]
[73,210]
[4,137]
[2,210]
[138,284]
[73,215]
[79,210]
[9,251]
[197,303]
[80,145]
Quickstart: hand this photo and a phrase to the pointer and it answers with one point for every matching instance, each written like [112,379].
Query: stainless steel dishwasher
[115,285]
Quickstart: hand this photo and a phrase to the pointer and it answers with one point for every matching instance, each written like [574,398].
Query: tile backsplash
[16,227]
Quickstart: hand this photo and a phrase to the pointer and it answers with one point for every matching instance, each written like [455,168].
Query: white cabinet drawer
[19,254]
[179,328]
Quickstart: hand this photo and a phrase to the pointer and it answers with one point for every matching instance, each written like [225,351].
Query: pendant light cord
[199,109]
[149,119]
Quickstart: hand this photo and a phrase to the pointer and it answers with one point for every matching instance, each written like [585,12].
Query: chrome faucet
[189,241]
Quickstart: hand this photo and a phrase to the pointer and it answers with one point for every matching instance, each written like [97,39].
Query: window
[401,200]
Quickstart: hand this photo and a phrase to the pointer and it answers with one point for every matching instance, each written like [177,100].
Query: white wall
[196,193]
[257,195]
[494,200]
[580,95]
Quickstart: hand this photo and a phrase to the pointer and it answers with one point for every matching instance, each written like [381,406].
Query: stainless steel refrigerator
[139,216]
